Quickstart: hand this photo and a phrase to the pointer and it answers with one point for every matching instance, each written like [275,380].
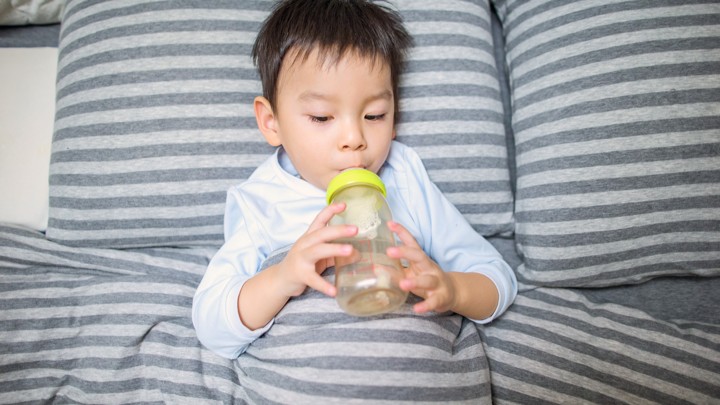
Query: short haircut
[333,28]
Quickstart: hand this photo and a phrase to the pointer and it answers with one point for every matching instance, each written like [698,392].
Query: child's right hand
[314,252]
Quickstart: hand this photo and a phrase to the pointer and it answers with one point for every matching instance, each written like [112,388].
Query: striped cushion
[87,325]
[83,325]
[399,356]
[616,114]
[591,346]
[154,117]
[154,121]
[315,353]
[451,110]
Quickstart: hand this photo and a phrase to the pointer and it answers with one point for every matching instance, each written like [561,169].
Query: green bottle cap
[354,177]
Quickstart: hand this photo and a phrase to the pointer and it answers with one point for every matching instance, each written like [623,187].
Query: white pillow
[27,105]
[24,12]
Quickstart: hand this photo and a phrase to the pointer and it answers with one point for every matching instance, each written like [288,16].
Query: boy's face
[330,117]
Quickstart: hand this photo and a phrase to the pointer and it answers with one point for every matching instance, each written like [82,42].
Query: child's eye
[374,117]
[319,119]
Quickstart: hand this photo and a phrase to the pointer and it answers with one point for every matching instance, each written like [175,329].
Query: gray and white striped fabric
[84,325]
[154,120]
[601,346]
[88,325]
[315,353]
[616,115]
[154,117]
[451,109]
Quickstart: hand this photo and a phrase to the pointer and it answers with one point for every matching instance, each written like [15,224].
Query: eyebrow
[313,95]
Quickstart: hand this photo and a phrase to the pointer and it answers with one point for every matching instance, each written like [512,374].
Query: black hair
[333,28]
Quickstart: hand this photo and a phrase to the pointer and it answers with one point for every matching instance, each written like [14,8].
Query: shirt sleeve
[449,239]
[215,304]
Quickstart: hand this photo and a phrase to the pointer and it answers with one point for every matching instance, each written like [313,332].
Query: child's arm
[266,293]
[473,295]
[233,273]
[476,281]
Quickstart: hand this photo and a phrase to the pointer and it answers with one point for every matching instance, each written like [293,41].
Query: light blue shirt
[274,207]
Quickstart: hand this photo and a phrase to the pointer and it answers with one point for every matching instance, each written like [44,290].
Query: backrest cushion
[154,121]
[452,112]
[616,116]
[154,117]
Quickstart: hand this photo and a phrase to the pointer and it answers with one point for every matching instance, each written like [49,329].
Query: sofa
[581,138]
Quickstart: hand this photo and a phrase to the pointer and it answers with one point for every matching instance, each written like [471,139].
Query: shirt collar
[286,164]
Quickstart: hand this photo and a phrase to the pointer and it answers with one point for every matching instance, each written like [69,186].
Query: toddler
[330,70]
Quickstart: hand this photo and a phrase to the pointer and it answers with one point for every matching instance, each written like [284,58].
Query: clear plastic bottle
[367,281]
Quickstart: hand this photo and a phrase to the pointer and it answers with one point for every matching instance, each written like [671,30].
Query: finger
[333,232]
[436,301]
[326,251]
[324,216]
[430,304]
[426,282]
[407,284]
[409,253]
[327,234]
[316,282]
[405,236]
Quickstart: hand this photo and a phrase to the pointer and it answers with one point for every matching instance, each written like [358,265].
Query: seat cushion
[561,345]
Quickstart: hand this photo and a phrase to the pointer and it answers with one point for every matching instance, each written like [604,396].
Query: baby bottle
[367,281]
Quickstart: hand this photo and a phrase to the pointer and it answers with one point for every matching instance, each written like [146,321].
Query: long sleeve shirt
[274,207]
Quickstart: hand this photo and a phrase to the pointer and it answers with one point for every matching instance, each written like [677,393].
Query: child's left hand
[423,277]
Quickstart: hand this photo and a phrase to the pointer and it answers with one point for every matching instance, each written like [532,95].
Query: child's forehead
[301,70]
[325,58]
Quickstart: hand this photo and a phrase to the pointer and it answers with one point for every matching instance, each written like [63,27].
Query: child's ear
[266,120]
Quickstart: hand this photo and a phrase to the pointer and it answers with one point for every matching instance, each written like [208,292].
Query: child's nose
[353,139]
